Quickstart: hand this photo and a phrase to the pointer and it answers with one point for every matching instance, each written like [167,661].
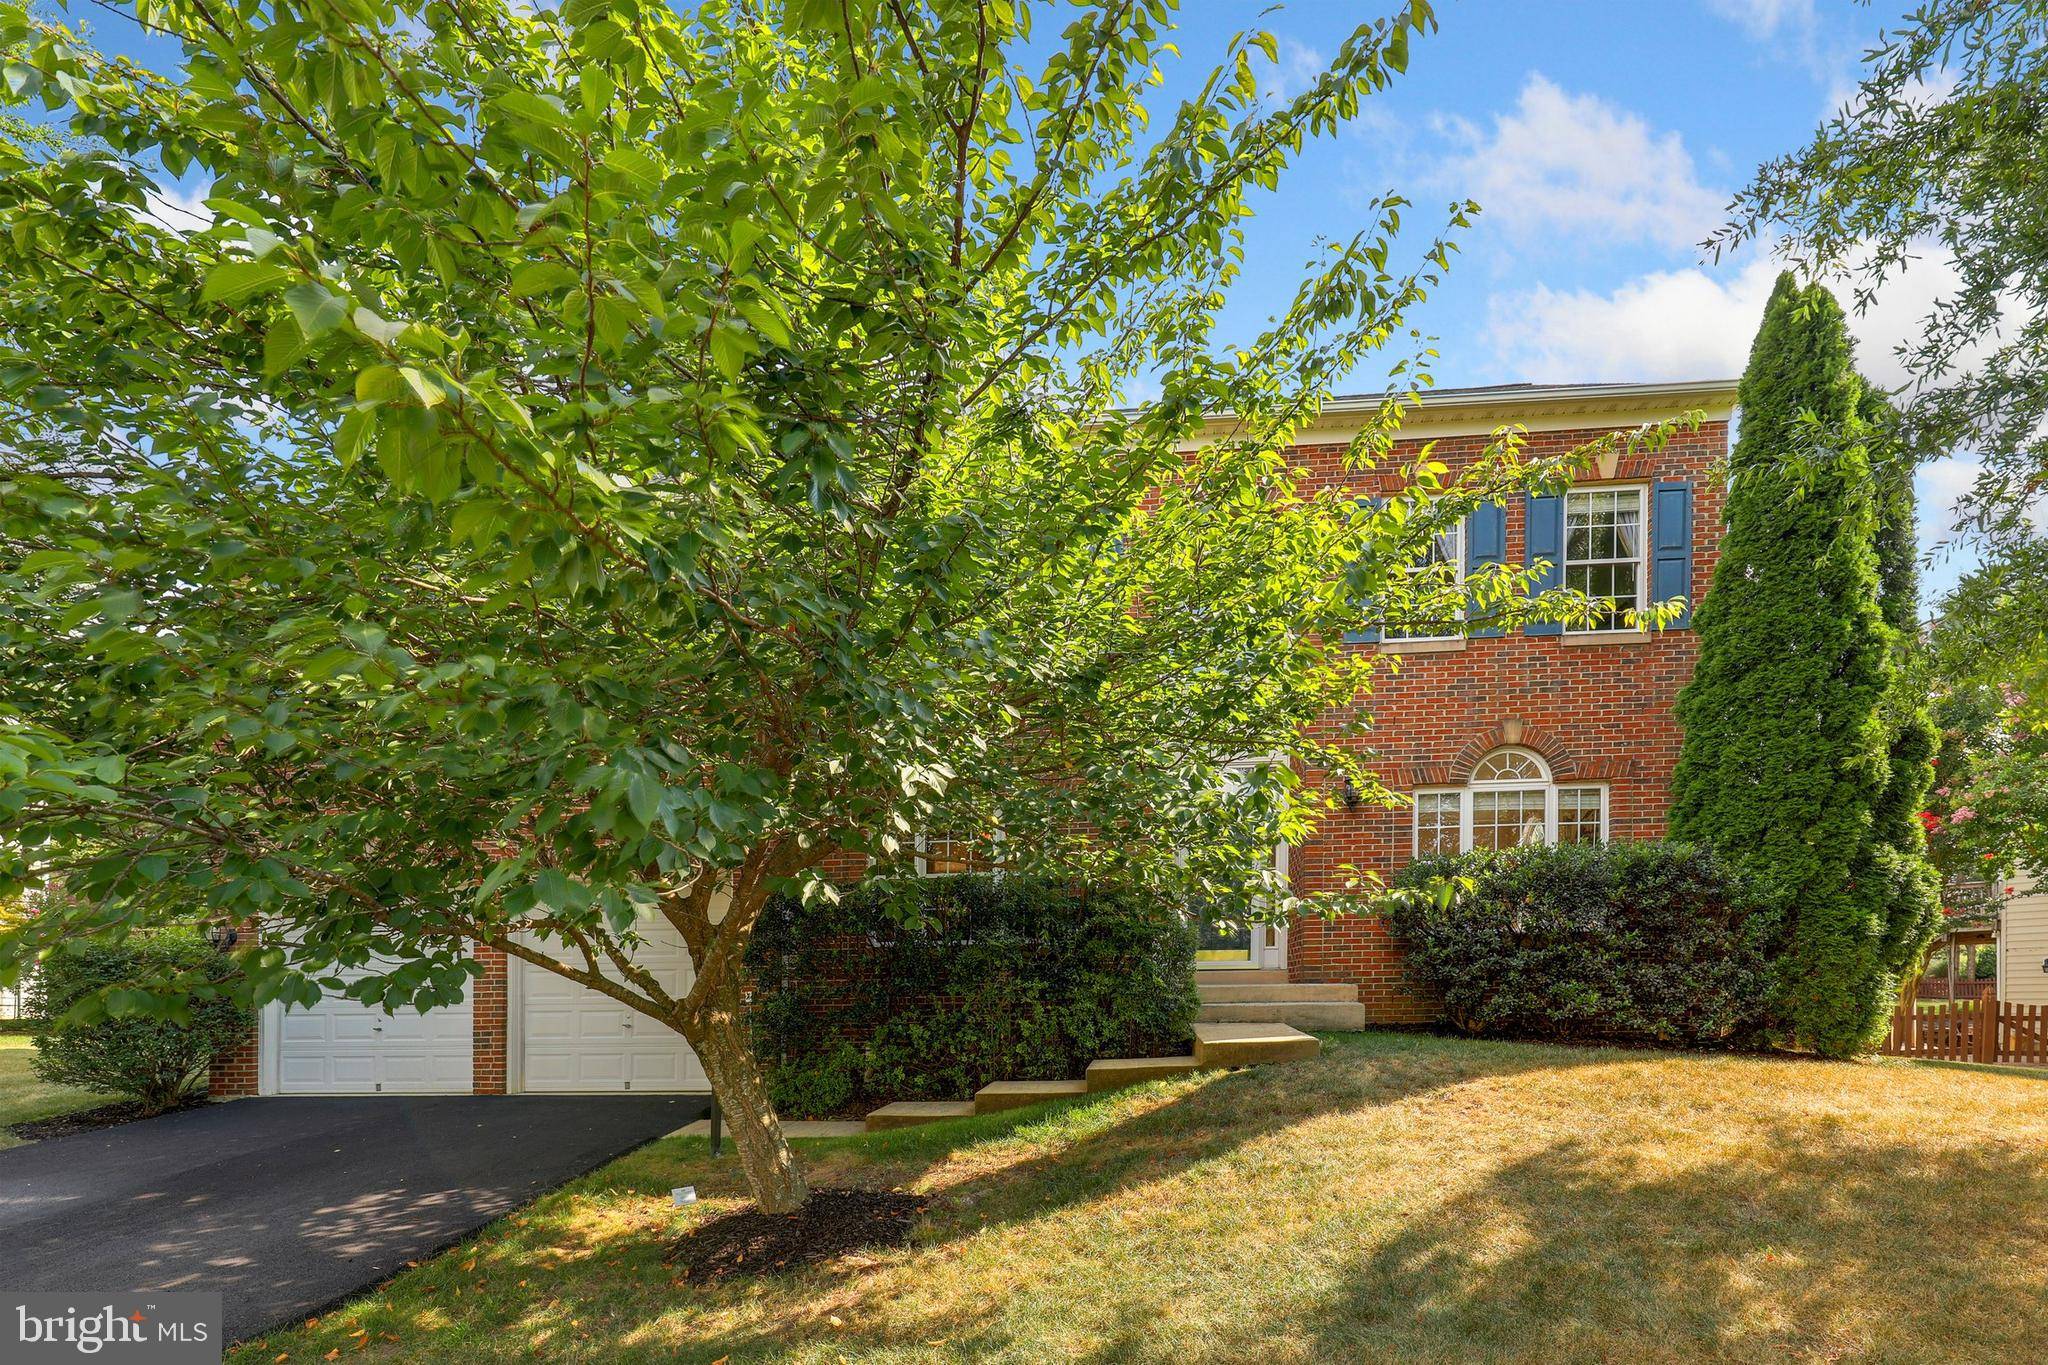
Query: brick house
[1540,733]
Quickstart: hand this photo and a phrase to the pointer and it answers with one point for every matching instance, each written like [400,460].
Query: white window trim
[1458,530]
[1549,786]
[995,870]
[1642,560]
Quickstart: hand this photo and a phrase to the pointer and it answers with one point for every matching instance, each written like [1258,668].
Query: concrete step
[1231,1044]
[1114,1073]
[1240,976]
[1230,992]
[1329,1015]
[997,1096]
[910,1113]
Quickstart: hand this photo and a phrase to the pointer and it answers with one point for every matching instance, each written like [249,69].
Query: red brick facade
[488,1004]
[232,1075]
[1597,710]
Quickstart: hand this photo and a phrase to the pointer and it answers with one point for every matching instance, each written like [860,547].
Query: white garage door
[342,1047]
[573,1038]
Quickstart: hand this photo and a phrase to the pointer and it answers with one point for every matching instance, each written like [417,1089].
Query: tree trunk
[728,1056]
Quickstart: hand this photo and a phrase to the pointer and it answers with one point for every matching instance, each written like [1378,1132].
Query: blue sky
[1602,139]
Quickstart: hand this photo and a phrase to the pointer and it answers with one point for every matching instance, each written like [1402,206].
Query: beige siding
[2023,946]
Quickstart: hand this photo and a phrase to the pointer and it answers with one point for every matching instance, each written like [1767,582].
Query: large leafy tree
[1989,816]
[1792,719]
[601,463]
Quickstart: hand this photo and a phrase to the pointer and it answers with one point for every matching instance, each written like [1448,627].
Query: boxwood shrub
[929,988]
[1637,942]
[160,1062]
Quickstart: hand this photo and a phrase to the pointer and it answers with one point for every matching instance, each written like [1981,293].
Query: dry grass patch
[1401,1197]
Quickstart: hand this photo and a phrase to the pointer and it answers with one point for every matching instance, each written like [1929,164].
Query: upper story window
[1509,801]
[1603,551]
[1441,566]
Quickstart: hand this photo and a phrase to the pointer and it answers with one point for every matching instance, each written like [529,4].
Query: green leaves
[642,454]
[316,311]
[543,277]
[238,280]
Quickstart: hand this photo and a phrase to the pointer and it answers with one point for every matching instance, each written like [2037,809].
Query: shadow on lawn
[1838,1246]
[1231,1110]
[1221,1114]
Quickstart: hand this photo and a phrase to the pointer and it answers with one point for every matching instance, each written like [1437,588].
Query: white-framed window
[1439,826]
[1509,801]
[942,853]
[1605,543]
[1442,563]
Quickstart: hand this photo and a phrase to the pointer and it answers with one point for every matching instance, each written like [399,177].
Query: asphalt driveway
[287,1205]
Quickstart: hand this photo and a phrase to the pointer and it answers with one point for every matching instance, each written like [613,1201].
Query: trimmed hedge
[1625,942]
[158,1061]
[930,988]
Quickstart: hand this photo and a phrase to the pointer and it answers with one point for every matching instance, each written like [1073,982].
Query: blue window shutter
[1545,535]
[1486,542]
[1366,635]
[1671,546]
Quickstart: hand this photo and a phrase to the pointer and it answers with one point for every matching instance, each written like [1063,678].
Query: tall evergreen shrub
[1787,758]
[1903,859]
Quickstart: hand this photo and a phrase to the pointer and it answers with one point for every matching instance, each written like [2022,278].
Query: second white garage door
[574,1039]
[341,1047]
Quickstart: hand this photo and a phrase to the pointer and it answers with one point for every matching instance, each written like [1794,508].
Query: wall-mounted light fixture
[221,935]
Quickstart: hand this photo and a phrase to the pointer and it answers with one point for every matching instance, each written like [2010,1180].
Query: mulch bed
[86,1120]
[831,1223]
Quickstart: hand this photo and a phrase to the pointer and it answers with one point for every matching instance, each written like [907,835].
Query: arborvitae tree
[1903,861]
[1786,756]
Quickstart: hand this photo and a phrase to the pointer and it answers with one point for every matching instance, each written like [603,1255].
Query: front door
[1245,947]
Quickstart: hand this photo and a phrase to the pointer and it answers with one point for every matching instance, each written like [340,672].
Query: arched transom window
[1509,800]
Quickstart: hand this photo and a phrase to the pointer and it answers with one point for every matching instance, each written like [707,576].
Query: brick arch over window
[1565,765]
[1515,734]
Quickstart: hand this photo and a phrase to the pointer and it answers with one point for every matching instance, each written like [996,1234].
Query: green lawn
[1401,1197]
[23,1097]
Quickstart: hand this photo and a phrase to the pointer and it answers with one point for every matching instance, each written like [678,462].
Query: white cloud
[1791,30]
[1938,485]
[180,210]
[1670,324]
[1295,69]
[1576,164]
[1766,18]
[1691,323]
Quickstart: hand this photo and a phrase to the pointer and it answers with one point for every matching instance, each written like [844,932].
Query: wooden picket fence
[1982,1030]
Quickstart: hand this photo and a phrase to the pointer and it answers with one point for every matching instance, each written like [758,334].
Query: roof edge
[1542,395]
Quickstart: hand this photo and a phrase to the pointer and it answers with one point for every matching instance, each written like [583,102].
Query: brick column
[232,1074]
[488,1019]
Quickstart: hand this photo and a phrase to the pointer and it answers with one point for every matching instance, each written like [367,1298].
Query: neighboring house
[1537,735]
[2023,942]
